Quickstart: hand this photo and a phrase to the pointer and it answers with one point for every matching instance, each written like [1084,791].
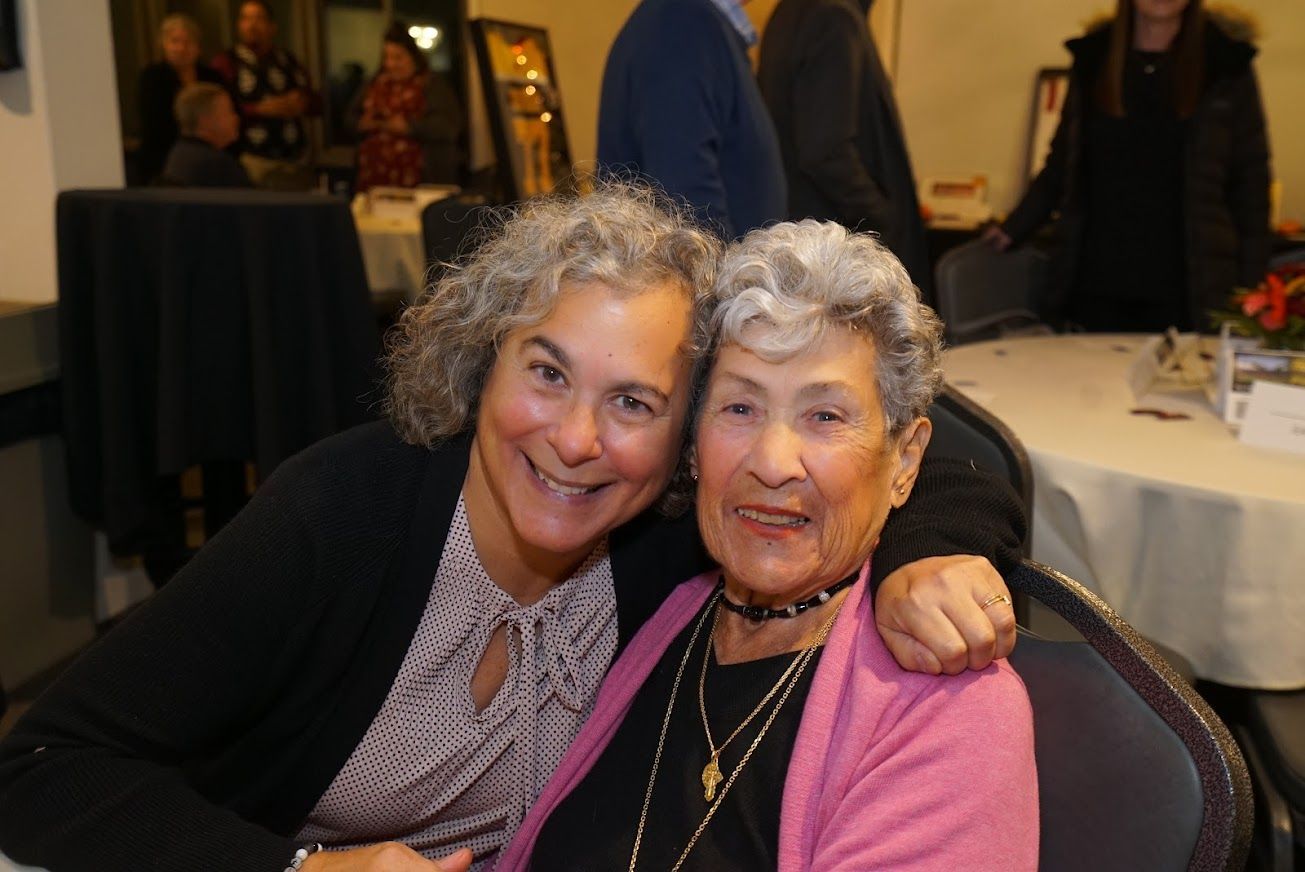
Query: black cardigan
[201,732]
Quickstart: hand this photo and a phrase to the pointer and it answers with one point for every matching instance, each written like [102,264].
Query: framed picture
[10,59]
[1048,99]
[524,103]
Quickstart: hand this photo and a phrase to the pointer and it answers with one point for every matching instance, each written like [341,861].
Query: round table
[1195,538]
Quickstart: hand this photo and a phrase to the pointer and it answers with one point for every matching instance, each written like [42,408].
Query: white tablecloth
[1195,539]
[394,254]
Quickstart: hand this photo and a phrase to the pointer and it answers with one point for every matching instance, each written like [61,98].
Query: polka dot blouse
[434,773]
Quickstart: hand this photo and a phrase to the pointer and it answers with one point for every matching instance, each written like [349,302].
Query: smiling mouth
[773,520]
[558,487]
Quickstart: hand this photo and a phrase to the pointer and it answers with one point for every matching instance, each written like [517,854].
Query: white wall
[58,130]
[965,71]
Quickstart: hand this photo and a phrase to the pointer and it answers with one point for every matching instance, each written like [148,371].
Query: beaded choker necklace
[758,613]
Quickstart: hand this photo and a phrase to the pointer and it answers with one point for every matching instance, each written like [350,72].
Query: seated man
[208,123]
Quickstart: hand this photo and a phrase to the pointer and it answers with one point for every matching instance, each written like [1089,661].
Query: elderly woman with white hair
[160,83]
[767,671]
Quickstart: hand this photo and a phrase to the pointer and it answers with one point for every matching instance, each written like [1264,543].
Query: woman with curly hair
[389,650]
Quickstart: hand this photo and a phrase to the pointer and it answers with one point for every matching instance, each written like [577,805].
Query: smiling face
[579,427]
[797,472]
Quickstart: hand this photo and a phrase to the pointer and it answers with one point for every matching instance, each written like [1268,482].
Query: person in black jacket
[390,648]
[160,82]
[208,124]
[1159,170]
[839,131]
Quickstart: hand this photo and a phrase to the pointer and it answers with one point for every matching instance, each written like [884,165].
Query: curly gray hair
[801,280]
[626,236]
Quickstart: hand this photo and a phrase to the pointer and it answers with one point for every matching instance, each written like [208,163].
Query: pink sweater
[890,770]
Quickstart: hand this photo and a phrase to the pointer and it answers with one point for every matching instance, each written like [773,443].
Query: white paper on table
[1275,417]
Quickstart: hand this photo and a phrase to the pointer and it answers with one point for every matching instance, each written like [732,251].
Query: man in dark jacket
[680,108]
[208,124]
[839,131]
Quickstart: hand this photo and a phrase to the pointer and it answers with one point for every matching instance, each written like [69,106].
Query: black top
[1132,275]
[201,732]
[159,86]
[193,163]
[595,826]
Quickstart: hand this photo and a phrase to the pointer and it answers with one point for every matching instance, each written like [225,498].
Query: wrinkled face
[395,62]
[797,472]
[253,25]
[180,49]
[580,419]
[1160,10]
[220,125]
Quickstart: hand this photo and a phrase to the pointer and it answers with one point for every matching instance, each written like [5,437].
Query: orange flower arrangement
[1273,312]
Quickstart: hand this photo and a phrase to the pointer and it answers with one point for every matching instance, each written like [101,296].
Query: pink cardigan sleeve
[950,785]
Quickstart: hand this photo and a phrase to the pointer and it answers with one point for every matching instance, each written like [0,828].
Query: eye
[627,403]
[548,374]
[825,416]
[738,409]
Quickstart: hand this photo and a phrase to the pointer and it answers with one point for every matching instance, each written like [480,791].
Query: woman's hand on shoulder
[932,614]
[385,857]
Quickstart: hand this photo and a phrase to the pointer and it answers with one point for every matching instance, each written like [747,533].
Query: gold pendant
[710,778]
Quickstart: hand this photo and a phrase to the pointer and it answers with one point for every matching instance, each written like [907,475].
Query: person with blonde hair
[159,84]
[387,652]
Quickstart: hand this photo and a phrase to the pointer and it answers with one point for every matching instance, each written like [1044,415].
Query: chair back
[1135,771]
[983,293]
[452,229]
[964,430]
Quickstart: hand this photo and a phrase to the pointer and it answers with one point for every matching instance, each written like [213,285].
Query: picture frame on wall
[10,56]
[523,100]
[1048,100]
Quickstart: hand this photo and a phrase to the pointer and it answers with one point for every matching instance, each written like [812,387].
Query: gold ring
[995,598]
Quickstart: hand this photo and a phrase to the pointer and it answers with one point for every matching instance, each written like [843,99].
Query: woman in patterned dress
[409,120]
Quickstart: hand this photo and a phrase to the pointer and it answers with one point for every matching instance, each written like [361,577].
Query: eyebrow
[813,389]
[627,387]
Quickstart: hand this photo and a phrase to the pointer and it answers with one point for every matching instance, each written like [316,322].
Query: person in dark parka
[1163,196]
[840,134]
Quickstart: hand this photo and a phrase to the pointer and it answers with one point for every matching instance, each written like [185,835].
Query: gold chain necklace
[711,775]
[796,669]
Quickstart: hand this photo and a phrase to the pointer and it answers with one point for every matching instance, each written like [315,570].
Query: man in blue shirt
[680,107]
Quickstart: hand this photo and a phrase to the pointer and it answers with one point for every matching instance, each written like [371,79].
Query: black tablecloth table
[200,326]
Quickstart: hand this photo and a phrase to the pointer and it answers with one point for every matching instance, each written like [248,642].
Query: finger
[935,632]
[910,654]
[974,625]
[458,861]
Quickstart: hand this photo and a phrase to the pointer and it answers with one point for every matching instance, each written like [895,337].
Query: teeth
[775,520]
[560,488]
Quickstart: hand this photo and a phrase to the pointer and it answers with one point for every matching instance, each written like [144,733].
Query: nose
[777,455]
[575,437]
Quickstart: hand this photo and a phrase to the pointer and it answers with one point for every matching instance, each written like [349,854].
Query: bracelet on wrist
[301,855]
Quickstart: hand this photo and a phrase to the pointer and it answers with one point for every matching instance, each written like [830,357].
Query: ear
[691,456]
[910,453]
